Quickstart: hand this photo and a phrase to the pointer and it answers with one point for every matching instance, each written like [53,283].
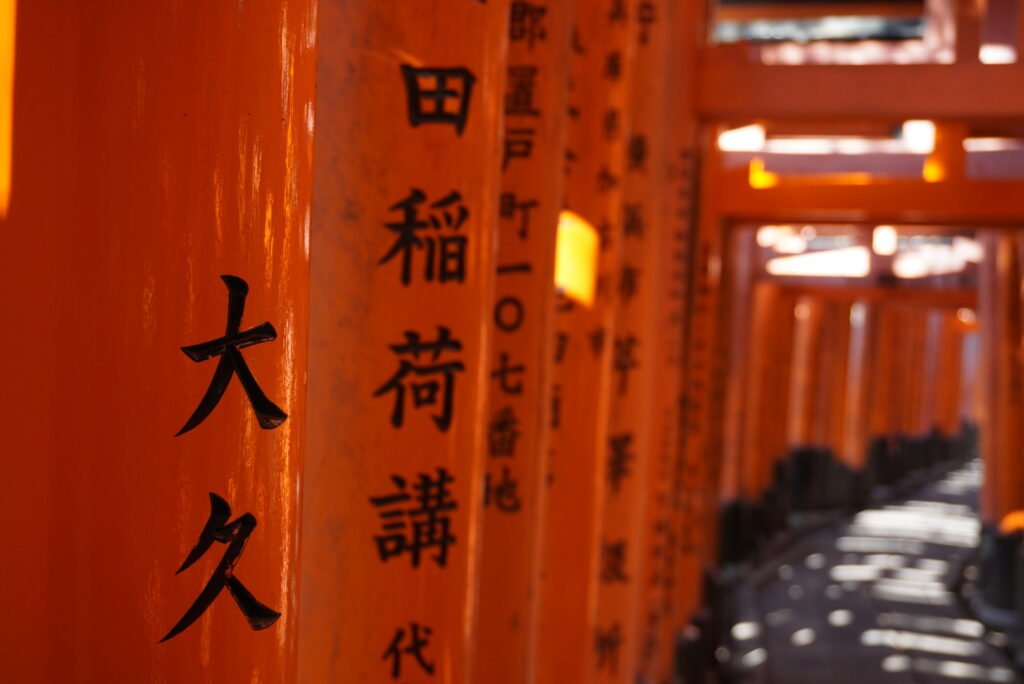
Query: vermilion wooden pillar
[950,374]
[807,347]
[880,415]
[629,538]
[932,382]
[829,408]
[407,187]
[1001,377]
[767,386]
[573,646]
[917,353]
[702,440]
[740,302]
[524,344]
[862,375]
[682,141]
[904,390]
[159,199]
[1000,431]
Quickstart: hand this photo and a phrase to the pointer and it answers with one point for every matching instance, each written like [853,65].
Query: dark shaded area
[876,597]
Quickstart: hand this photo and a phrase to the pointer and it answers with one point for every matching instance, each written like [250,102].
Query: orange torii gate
[154,284]
[407,190]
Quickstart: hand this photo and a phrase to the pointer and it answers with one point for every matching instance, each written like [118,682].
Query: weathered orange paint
[363,609]
[156,147]
[523,336]
[582,376]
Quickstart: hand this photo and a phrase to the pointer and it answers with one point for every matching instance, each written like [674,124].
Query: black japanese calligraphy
[419,639]
[234,534]
[521,84]
[637,152]
[646,16]
[509,205]
[444,253]
[607,643]
[611,123]
[624,360]
[613,66]
[503,494]
[508,314]
[411,526]
[232,363]
[633,219]
[526,23]
[518,145]
[432,382]
[617,13]
[620,459]
[508,375]
[503,433]
[438,95]
[613,561]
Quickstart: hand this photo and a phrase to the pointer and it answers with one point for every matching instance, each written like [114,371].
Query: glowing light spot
[884,240]
[919,136]
[758,177]
[576,256]
[803,637]
[742,631]
[744,139]
[849,262]
[840,618]
[8,15]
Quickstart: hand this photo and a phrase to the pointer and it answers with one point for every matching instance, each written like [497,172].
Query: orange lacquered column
[808,344]
[767,386]
[703,366]
[830,407]
[738,318]
[573,645]
[862,375]
[407,185]
[684,557]
[632,469]
[917,350]
[881,421]
[532,194]
[1000,375]
[931,385]
[951,375]
[159,199]
[839,381]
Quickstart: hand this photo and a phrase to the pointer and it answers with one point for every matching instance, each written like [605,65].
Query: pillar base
[999,558]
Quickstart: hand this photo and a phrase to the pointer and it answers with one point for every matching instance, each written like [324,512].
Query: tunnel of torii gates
[364,341]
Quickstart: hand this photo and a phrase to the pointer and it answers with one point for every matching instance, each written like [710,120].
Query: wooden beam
[731,89]
[957,202]
[784,10]
[945,298]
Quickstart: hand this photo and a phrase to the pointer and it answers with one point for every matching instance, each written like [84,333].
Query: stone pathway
[870,600]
